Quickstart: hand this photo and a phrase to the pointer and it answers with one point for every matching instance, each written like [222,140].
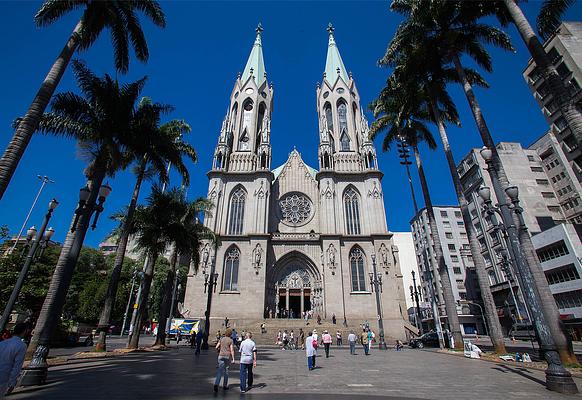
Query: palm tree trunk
[447,291]
[29,123]
[142,309]
[53,304]
[548,302]
[495,332]
[105,317]
[167,300]
[556,86]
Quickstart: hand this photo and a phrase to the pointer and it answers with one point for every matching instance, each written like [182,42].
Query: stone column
[302,301]
[287,299]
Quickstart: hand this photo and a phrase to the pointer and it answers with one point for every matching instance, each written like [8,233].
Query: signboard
[186,326]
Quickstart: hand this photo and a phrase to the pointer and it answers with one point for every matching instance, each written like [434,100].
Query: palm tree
[548,21]
[187,243]
[436,32]
[166,146]
[121,19]
[162,222]
[101,122]
[449,29]
[396,112]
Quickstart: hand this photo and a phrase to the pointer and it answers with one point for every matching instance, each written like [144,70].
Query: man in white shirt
[12,353]
[352,338]
[248,360]
[310,351]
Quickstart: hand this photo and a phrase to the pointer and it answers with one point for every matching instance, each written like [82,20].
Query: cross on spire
[330,28]
[259,29]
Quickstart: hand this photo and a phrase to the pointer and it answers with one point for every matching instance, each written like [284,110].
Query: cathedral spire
[256,64]
[334,65]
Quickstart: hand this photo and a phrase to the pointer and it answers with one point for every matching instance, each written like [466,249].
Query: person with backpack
[310,350]
[364,341]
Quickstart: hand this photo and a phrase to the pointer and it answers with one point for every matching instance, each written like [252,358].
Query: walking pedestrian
[338,337]
[371,337]
[12,353]
[292,340]
[327,341]
[199,337]
[226,322]
[364,341]
[333,319]
[310,350]
[278,339]
[225,350]
[318,319]
[285,339]
[352,338]
[248,360]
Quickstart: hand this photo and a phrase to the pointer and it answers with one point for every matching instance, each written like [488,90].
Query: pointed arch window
[231,264]
[328,116]
[345,142]
[352,210]
[237,209]
[342,115]
[357,270]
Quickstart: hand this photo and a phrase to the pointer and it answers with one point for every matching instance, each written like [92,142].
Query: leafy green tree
[123,23]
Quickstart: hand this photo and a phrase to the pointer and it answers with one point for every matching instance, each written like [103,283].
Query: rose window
[295,209]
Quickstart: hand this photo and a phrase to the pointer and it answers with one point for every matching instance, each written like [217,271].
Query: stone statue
[223,129]
[205,255]
[266,128]
[331,255]
[324,127]
[257,254]
[384,256]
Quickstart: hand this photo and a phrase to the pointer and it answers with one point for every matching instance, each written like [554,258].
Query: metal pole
[128,302]
[171,314]
[418,311]
[435,311]
[377,285]
[24,271]
[44,180]
[210,288]
[558,379]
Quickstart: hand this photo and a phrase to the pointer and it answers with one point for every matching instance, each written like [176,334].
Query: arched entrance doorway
[293,286]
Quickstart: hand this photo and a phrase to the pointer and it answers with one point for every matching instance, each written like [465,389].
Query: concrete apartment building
[455,245]
[560,255]
[565,51]
[542,177]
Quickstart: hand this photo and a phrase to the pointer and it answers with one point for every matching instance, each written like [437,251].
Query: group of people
[226,356]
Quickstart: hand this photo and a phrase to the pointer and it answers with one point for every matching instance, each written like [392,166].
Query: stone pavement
[177,374]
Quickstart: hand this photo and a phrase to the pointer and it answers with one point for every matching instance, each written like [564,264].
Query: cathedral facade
[295,238]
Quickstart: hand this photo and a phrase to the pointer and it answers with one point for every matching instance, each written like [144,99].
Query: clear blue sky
[193,65]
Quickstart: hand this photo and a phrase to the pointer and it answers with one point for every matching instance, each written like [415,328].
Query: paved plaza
[178,374]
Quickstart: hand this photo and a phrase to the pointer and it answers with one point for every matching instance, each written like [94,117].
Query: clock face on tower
[295,209]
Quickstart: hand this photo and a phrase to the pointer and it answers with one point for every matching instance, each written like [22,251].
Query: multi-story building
[455,246]
[294,238]
[561,176]
[560,254]
[565,51]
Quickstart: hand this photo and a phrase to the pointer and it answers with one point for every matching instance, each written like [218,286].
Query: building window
[357,269]
[454,258]
[443,214]
[492,278]
[328,116]
[344,142]
[531,158]
[237,210]
[457,270]
[537,169]
[449,235]
[562,274]
[446,224]
[542,182]
[554,55]
[548,195]
[352,209]
[458,214]
[552,251]
[561,124]
[452,247]
[231,263]
[569,299]
[460,223]
[342,114]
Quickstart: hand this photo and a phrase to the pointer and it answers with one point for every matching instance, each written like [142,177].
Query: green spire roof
[255,61]
[334,62]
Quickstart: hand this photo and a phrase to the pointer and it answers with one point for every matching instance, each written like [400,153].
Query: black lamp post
[376,284]
[37,238]
[210,281]
[558,379]
[418,311]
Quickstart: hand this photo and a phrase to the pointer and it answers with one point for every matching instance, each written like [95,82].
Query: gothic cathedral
[293,238]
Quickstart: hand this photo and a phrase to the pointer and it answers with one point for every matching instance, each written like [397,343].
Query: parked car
[430,339]
[522,332]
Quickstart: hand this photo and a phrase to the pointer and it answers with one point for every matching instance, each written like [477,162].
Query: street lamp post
[44,180]
[558,379]
[41,236]
[133,277]
[418,311]
[210,281]
[376,283]
[89,202]
[434,303]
